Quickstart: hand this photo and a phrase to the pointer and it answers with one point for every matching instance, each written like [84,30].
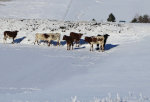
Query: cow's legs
[58,42]
[35,42]
[78,42]
[72,46]
[91,48]
[67,46]
[97,47]
[38,42]
[49,43]
[102,48]
[75,42]
[4,40]
[13,41]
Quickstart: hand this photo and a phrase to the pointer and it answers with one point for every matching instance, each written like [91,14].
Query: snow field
[33,73]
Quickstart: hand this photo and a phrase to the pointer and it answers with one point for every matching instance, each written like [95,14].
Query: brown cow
[69,41]
[10,34]
[76,37]
[95,40]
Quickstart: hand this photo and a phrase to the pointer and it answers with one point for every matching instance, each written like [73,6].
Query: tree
[145,19]
[111,18]
[140,19]
[93,20]
[134,20]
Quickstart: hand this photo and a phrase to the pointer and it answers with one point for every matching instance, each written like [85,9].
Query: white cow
[47,37]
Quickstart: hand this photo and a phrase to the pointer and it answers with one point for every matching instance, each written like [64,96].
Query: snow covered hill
[78,9]
[123,33]
[37,73]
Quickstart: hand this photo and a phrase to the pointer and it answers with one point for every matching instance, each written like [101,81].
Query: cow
[69,41]
[105,39]
[44,37]
[95,40]
[47,37]
[76,37]
[10,34]
[55,36]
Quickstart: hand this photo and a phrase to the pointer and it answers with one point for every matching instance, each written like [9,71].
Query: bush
[134,20]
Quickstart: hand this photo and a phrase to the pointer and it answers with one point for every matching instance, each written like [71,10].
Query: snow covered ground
[37,73]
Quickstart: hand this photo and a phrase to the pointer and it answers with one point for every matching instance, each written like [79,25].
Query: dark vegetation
[141,19]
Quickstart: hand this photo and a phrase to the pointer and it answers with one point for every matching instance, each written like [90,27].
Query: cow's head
[99,35]
[88,39]
[16,31]
[80,35]
[64,37]
[106,35]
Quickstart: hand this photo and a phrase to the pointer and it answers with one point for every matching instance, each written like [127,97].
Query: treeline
[141,19]
[137,19]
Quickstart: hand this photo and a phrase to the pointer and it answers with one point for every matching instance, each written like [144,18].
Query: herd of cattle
[99,40]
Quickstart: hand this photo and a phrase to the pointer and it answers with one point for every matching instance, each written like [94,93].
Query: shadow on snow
[108,46]
[19,40]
